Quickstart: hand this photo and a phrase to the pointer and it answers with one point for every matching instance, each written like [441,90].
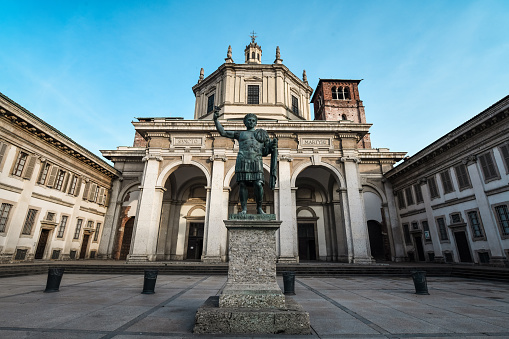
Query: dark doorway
[84,246]
[41,246]
[126,239]
[376,240]
[195,241]
[462,245]
[420,249]
[307,244]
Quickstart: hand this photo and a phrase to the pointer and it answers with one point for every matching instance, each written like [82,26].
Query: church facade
[178,184]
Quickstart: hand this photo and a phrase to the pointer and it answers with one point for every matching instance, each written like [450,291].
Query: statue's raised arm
[219,127]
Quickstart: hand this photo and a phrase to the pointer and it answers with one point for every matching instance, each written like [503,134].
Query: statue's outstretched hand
[216,112]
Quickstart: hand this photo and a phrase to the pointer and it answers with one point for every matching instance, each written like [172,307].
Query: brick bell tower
[338,99]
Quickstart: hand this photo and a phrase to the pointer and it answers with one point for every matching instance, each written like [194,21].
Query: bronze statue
[253,146]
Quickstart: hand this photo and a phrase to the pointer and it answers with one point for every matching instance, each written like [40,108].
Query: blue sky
[90,67]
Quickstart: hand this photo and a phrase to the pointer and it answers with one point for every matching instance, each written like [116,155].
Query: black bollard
[289,282]
[149,282]
[54,278]
[420,283]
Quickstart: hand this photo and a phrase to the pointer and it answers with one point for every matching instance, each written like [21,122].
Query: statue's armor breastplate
[249,164]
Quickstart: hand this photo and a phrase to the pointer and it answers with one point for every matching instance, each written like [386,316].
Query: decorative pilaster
[215,244]
[359,229]
[149,211]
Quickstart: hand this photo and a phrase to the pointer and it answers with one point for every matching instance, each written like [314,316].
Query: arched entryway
[321,233]
[182,226]
[376,240]
[127,236]
[377,228]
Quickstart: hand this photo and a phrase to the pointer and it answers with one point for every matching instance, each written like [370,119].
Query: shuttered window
[210,103]
[401,199]
[504,151]
[60,179]
[446,181]
[409,196]
[295,105]
[29,222]
[418,193]
[462,176]
[433,189]
[52,176]
[87,189]
[3,150]
[488,167]
[29,170]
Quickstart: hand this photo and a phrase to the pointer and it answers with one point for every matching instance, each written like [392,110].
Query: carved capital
[469,160]
[152,157]
[286,157]
[218,157]
[350,158]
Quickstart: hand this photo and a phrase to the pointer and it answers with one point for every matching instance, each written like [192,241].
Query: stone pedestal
[252,301]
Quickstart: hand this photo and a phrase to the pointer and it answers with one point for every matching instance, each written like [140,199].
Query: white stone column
[487,216]
[146,226]
[287,213]
[393,225]
[360,236]
[110,224]
[348,225]
[215,246]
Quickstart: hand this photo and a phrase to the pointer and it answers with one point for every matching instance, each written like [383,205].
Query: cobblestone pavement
[111,306]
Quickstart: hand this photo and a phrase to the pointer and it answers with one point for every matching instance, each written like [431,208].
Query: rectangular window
[409,196]
[401,200]
[425,228]
[96,193]
[61,228]
[253,94]
[60,180]
[20,164]
[50,216]
[406,233]
[3,149]
[502,217]
[446,181]
[455,218]
[4,215]
[442,229]
[475,224]
[418,193]
[488,168]
[415,225]
[20,254]
[462,176]
[44,173]
[210,103]
[29,222]
[78,229]
[55,255]
[484,257]
[97,229]
[433,189]
[295,105]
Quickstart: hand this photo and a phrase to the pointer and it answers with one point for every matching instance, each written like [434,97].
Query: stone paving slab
[112,306]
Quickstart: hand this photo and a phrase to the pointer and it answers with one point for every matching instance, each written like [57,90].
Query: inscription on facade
[187,141]
[315,142]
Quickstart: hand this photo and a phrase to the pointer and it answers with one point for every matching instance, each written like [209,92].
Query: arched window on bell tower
[347,93]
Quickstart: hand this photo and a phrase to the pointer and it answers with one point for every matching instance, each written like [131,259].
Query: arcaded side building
[453,196]
[177,181]
[53,192]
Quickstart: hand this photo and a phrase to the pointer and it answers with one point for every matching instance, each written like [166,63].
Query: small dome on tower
[253,51]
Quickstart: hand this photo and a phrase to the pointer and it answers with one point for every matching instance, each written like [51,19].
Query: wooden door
[307,241]
[420,248]
[126,239]
[41,246]
[462,245]
[195,241]
[84,246]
